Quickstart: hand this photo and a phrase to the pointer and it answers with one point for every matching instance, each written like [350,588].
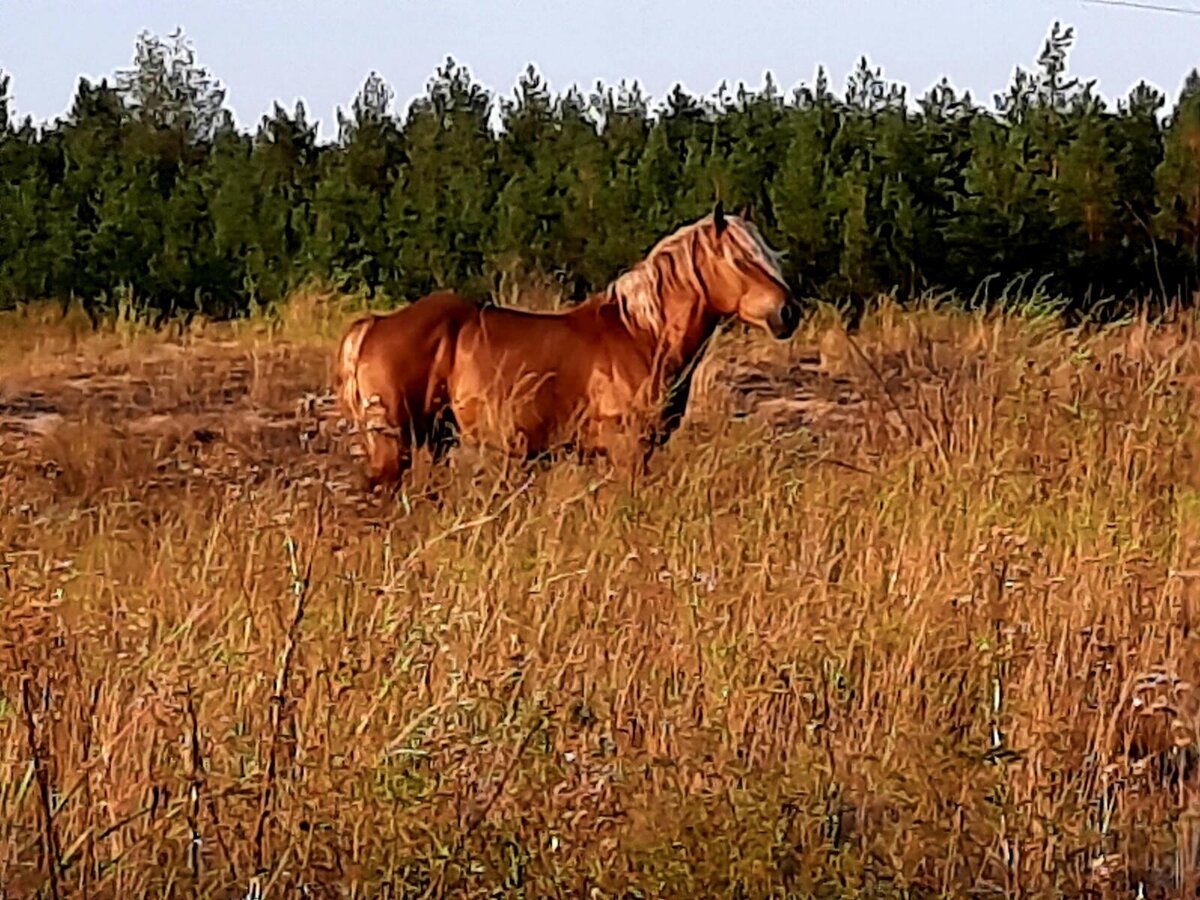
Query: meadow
[900,611]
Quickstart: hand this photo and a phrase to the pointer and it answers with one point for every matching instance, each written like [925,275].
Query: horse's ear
[747,213]
[719,217]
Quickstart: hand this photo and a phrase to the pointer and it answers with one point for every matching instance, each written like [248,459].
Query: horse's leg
[389,442]
[674,409]
[389,457]
[436,433]
[638,461]
[443,434]
[626,447]
[440,426]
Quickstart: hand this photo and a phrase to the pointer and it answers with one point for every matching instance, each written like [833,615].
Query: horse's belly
[520,412]
[614,404]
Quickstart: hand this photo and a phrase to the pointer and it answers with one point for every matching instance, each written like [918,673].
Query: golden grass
[933,637]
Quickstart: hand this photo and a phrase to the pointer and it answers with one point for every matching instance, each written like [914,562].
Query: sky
[270,50]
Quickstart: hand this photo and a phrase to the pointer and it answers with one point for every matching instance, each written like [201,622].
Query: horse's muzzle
[783,322]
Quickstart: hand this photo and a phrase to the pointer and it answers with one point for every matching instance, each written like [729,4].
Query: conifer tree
[1083,197]
[92,138]
[621,233]
[440,210]
[5,112]
[350,242]
[1178,185]
[799,192]
[167,89]
[1137,144]
[285,163]
[937,162]
[529,211]
[29,236]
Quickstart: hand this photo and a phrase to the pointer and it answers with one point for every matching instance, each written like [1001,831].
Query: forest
[145,193]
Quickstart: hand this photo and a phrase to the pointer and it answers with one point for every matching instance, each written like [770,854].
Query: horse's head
[720,262]
[744,278]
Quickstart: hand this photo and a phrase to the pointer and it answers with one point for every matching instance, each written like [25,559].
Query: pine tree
[29,161]
[440,211]
[1001,209]
[92,138]
[528,212]
[350,242]
[581,183]
[1083,197]
[750,141]
[798,197]
[865,165]
[166,88]
[799,191]
[673,182]
[5,103]
[1137,140]
[942,151]
[622,234]
[235,192]
[263,207]
[849,203]
[1178,185]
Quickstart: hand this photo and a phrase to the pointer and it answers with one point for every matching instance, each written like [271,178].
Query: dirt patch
[227,412]
[32,413]
[794,393]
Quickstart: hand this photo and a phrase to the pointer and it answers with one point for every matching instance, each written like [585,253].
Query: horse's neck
[687,328]
[676,348]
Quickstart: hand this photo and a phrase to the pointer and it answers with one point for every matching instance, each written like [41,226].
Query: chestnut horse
[610,375]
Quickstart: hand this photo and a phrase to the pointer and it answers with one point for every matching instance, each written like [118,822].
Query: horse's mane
[641,291]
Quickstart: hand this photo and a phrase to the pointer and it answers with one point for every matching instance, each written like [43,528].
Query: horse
[609,376]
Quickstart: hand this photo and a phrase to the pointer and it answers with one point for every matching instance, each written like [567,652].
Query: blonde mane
[641,291]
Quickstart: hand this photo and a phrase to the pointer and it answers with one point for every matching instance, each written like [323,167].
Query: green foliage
[146,189]
[1178,180]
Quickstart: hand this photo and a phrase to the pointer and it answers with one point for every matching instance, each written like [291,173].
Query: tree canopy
[146,186]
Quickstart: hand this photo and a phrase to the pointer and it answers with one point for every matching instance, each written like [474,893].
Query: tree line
[145,189]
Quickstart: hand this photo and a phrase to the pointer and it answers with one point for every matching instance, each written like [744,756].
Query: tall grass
[935,640]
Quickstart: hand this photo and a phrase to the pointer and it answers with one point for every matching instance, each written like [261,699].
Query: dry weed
[921,622]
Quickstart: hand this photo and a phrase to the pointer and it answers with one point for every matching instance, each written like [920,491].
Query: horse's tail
[348,389]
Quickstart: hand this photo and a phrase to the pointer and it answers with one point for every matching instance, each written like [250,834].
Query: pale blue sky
[266,50]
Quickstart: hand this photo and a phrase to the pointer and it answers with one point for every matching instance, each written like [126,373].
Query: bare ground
[226,408]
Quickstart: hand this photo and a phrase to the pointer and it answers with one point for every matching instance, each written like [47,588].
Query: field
[903,612]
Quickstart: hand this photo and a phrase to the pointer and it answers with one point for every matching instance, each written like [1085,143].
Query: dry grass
[905,615]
